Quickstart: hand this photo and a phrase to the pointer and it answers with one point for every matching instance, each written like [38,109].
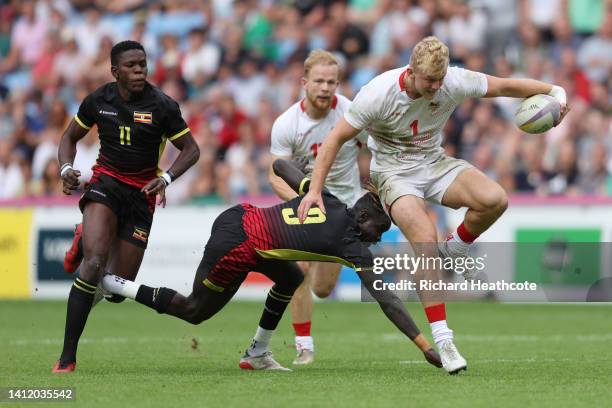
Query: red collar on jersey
[402,83]
[333,105]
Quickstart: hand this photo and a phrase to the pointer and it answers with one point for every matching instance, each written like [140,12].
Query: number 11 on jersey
[124,135]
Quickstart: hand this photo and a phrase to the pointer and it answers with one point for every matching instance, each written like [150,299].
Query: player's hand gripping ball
[537,114]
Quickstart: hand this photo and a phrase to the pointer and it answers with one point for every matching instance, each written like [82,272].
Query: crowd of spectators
[235,65]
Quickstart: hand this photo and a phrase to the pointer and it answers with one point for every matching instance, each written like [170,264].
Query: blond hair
[430,56]
[319,57]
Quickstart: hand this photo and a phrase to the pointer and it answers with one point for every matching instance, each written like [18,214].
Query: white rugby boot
[264,361]
[452,361]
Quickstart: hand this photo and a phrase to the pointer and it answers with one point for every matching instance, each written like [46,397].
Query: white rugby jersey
[295,134]
[403,130]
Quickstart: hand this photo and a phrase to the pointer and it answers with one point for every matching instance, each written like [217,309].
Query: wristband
[166,177]
[65,167]
[559,94]
[171,174]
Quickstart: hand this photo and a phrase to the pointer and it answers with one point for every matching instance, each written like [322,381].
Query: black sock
[276,303]
[155,298]
[79,304]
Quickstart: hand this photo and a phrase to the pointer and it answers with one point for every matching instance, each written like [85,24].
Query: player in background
[298,133]
[404,111]
[134,120]
[246,238]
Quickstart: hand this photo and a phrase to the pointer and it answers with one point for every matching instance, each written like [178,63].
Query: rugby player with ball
[404,111]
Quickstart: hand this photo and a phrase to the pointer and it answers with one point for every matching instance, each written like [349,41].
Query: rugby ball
[537,114]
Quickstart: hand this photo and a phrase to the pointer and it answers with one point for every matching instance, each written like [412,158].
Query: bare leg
[486,200]
[324,277]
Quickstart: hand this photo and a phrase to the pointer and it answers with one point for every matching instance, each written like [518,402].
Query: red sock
[465,235]
[302,329]
[436,313]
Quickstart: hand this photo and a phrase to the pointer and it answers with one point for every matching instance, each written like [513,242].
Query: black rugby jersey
[132,134]
[276,232]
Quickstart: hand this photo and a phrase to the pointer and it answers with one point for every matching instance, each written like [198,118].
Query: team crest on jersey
[143,117]
[140,234]
[433,106]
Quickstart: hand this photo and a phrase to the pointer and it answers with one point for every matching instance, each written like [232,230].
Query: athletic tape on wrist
[166,177]
[171,174]
[558,93]
[65,168]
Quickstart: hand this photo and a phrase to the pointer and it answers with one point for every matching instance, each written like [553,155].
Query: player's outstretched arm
[327,153]
[395,311]
[66,153]
[290,172]
[279,186]
[525,87]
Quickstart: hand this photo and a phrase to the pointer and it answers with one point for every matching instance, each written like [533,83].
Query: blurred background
[235,65]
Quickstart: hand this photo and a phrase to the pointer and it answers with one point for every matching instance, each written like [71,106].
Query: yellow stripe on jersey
[179,134]
[302,184]
[212,286]
[295,255]
[162,147]
[80,122]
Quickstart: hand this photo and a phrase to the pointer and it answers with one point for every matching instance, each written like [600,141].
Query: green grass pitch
[518,355]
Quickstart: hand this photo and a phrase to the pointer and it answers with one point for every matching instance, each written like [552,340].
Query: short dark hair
[122,47]
[371,203]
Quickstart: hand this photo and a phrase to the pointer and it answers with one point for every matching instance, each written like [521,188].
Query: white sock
[440,332]
[260,342]
[304,342]
[456,245]
[119,286]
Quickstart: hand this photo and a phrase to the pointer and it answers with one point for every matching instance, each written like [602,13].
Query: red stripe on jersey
[239,261]
[256,228]
[134,182]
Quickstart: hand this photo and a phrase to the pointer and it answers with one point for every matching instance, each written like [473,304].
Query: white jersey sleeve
[463,83]
[368,106]
[282,137]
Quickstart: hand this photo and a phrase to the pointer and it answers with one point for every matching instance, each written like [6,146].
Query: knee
[194,314]
[323,290]
[494,201]
[93,267]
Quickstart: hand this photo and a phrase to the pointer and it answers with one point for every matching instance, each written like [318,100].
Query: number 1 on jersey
[315,149]
[415,127]
[124,135]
